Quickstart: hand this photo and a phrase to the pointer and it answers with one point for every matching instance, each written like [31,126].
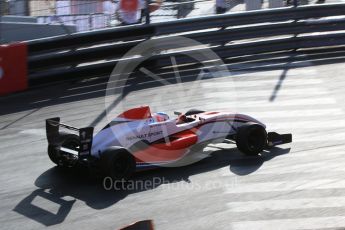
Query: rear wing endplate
[85,135]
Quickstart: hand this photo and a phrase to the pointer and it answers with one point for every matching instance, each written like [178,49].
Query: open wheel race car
[137,140]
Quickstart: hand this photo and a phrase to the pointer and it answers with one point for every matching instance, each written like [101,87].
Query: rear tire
[118,163]
[66,140]
[251,139]
[52,153]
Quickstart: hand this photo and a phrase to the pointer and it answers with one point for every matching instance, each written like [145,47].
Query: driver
[160,116]
[181,119]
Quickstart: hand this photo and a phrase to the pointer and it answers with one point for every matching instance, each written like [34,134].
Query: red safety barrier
[13,68]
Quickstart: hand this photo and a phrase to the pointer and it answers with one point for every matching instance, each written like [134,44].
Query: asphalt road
[297,186]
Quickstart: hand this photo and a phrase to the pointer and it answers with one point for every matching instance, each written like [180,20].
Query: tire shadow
[249,165]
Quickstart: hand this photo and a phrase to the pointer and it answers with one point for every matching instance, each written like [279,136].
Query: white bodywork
[208,126]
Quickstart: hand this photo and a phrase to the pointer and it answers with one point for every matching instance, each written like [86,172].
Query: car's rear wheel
[251,139]
[65,140]
[117,163]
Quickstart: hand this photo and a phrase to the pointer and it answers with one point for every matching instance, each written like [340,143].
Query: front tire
[118,163]
[251,139]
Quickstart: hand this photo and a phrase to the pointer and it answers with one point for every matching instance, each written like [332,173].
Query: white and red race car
[137,140]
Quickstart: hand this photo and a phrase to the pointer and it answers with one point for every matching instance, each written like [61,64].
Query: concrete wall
[10,18]
[10,31]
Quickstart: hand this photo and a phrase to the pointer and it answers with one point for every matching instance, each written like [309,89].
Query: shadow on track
[247,166]
[63,188]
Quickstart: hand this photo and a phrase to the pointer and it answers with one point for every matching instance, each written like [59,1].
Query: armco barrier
[214,37]
[13,68]
[309,27]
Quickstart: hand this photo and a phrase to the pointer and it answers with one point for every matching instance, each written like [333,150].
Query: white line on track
[289,224]
[287,186]
[297,113]
[306,92]
[279,103]
[260,83]
[310,124]
[302,203]
[285,166]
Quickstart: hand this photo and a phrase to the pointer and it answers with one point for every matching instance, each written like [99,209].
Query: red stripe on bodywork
[168,151]
[142,112]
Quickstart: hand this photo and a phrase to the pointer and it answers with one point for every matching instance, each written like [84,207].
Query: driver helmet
[181,119]
[160,116]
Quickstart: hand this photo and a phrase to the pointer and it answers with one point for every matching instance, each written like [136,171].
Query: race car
[137,140]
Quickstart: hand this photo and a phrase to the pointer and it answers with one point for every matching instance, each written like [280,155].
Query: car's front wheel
[251,139]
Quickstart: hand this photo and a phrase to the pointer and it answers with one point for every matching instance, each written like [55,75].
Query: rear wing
[85,135]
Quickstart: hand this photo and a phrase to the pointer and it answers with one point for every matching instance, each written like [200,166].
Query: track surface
[297,186]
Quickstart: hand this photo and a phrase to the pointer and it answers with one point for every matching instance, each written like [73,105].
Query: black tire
[118,163]
[66,140]
[251,139]
[53,155]
[193,112]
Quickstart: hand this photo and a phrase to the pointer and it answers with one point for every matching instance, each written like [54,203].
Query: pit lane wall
[24,31]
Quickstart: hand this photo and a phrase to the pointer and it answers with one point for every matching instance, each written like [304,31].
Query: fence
[170,11]
[69,13]
[83,22]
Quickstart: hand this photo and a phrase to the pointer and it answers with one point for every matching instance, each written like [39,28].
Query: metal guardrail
[59,57]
